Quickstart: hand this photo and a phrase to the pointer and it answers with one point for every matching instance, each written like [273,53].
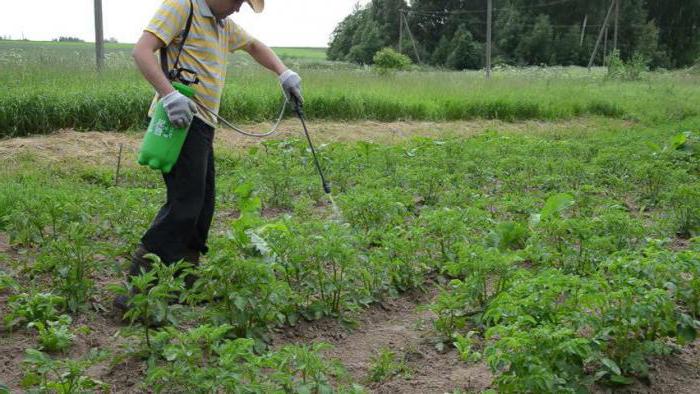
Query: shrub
[626,71]
[388,60]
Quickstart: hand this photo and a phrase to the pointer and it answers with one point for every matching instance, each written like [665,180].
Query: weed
[384,365]
[465,347]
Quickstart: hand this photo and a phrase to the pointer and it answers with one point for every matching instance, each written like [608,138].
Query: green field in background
[48,86]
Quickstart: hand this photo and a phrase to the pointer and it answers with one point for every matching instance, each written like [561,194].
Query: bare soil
[677,373]
[401,326]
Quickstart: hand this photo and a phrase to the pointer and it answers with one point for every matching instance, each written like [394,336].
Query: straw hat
[257,5]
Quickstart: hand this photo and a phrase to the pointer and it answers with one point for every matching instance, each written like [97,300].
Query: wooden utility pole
[605,47]
[410,34]
[400,31]
[489,21]
[600,35]
[99,36]
[583,29]
[617,23]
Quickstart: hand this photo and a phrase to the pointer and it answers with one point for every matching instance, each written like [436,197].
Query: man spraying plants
[194,36]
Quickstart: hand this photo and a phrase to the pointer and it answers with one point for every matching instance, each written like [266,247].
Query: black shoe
[121,306]
[192,257]
[139,263]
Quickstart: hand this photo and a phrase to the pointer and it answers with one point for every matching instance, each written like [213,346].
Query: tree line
[452,33]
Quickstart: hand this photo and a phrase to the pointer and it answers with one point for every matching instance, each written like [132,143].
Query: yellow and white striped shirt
[205,50]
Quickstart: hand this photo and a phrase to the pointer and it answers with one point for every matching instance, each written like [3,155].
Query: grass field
[553,256]
[47,89]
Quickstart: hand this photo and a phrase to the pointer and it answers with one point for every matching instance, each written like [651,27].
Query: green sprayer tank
[163,142]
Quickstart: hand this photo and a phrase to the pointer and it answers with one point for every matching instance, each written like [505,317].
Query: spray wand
[298,108]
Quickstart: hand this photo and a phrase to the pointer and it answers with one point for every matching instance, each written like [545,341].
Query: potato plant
[565,259]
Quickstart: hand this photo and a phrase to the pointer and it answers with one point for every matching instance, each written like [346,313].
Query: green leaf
[29,380]
[240,303]
[36,357]
[244,190]
[556,204]
[612,365]
[687,333]
[679,141]
[619,379]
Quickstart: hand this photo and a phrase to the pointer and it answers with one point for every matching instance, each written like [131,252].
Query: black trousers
[183,223]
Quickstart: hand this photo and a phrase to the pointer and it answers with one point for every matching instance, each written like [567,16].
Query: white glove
[291,84]
[180,109]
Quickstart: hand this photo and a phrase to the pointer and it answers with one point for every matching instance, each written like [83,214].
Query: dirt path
[397,325]
[103,147]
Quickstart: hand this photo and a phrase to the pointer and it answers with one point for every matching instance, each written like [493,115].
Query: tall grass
[50,86]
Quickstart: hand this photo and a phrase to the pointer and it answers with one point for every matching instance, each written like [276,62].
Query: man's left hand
[291,84]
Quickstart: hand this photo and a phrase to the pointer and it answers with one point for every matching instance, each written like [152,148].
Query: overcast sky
[306,23]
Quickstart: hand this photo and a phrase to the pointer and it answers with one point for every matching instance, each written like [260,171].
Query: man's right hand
[180,109]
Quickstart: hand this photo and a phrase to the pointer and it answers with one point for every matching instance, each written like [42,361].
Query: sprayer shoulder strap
[164,50]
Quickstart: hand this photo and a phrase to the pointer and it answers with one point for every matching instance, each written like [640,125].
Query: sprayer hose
[243,132]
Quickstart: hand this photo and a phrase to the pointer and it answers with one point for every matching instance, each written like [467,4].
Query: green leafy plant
[70,258]
[202,359]
[318,260]
[250,207]
[333,264]
[7,282]
[509,235]
[244,294]
[399,262]
[54,336]
[33,307]
[300,368]
[553,208]
[61,376]
[384,365]
[151,293]
[388,60]
[627,71]
[465,347]
[685,202]
[373,210]
[444,228]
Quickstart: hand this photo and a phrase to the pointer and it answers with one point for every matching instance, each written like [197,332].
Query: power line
[480,22]
[458,12]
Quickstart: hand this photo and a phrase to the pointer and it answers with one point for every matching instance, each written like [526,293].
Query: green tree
[567,48]
[439,57]
[667,32]
[342,37]
[367,42]
[465,52]
[536,46]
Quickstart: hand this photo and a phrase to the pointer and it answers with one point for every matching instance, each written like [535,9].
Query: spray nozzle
[298,104]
